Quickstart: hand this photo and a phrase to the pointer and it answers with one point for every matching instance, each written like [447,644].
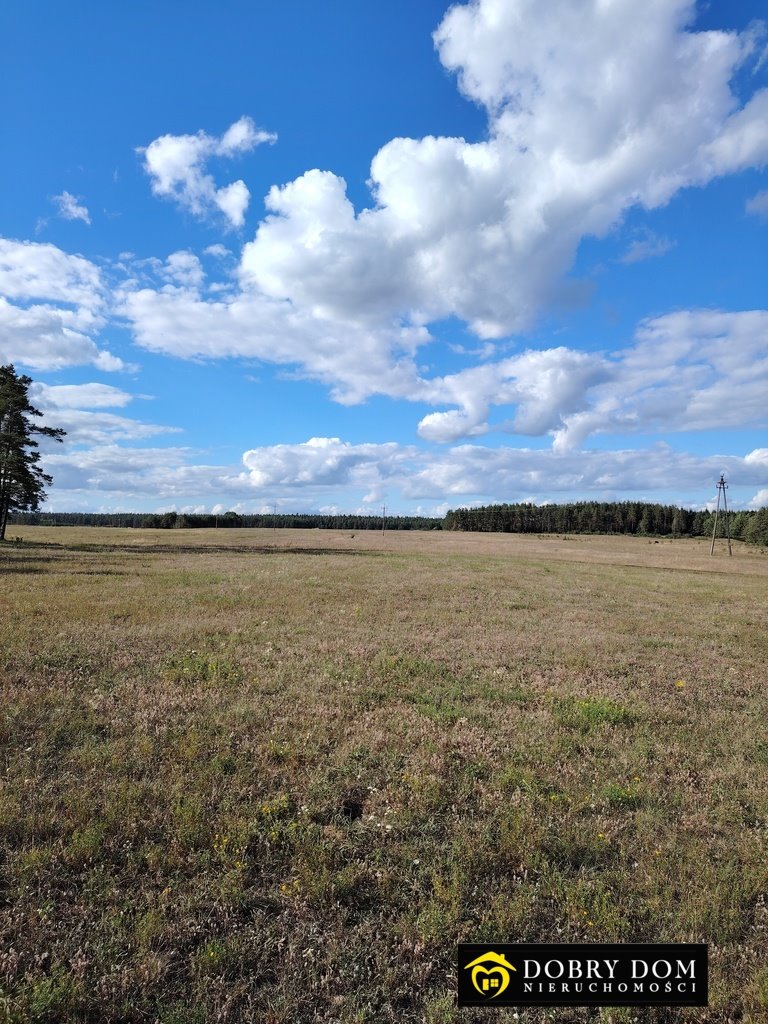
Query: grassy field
[274,776]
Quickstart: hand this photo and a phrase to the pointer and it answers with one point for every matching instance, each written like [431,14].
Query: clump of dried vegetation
[276,777]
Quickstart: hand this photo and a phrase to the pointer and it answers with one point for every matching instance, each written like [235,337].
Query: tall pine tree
[22,481]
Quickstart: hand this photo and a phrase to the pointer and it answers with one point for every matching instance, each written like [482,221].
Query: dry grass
[275,776]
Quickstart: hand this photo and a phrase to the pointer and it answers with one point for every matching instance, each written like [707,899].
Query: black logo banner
[604,974]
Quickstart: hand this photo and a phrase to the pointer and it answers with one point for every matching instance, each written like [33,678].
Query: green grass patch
[589,713]
[193,666]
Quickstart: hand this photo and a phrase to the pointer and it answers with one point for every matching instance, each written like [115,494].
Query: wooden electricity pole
[721,489]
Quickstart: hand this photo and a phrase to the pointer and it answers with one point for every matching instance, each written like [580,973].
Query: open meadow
[275,776]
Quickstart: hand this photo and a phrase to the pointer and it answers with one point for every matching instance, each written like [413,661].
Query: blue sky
[329,256]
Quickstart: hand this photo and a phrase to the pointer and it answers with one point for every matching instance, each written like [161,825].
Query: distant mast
[722,486]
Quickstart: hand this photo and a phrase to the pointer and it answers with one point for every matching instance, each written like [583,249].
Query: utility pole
[383,519]
[722,486]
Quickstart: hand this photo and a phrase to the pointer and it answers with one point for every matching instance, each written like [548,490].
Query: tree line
[228,520]
[636,518]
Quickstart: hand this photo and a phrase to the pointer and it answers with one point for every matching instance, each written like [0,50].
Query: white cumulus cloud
[324,462]
[35,270]
[177,166]
[70,407]
[579,133]
[79,396]
[471,472]
[70,208]
[330,472]
[354,362]
[685,371]
[648,246]
[758,205]
[184,269]
[57,330]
